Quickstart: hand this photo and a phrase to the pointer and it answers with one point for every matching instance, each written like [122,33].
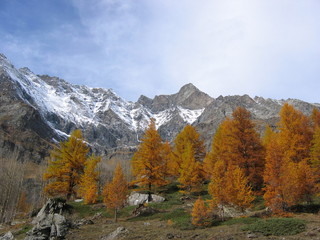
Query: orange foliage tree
[191,176]
[166,155]
[199,213]
[229,186]
[148,164]
[115,193]
[315,118]
[66,165]
[238,143]
[188,136]
[315,155]
[288,176]
[88,184]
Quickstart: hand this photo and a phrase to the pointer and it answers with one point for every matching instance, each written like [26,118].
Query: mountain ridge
[43,110]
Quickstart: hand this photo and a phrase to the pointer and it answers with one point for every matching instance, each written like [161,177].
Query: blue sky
[268,48]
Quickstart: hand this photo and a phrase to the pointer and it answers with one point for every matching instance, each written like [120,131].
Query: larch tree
[166,155]
[188,136]
[66,166]
[116,192]
[219,148]
[199,213]
[272,175]
[238,192]
[315,155]
[229,186]
[295,134]
[247,151]
[89,181]
[238,144]
[288,176]
[315,118]
[295,137]
[191,176]
[216,186]
[148,162]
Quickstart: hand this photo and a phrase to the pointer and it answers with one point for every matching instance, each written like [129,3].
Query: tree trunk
[115,215]
[149,193]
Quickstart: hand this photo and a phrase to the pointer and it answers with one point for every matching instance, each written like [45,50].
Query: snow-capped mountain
[37,111]
[108,121]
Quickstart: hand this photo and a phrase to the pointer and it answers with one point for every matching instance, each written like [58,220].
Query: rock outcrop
[49,222]
[140,198]
[7,236]
[119,233]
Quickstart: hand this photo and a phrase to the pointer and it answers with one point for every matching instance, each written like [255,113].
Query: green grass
[241,220]
[84,210]
[126,211]
[180,218]
[277,226]
[24,229]
[258,203]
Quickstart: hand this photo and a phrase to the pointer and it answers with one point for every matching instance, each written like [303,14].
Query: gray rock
[252,235]
[140,198]
[224,211]
[118,233]
[49,223]
[143,210]
[7,236]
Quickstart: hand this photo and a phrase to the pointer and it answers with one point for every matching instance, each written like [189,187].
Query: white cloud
[268,48]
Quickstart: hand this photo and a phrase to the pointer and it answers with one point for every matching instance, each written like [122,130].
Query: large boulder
[49,222]
[229,211]
[7,236]
[140,198]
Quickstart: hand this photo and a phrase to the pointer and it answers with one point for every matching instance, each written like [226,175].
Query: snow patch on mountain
[83,105]
[190,116]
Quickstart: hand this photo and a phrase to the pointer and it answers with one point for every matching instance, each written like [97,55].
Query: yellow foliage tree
[295,134]
[237,190]
[200,213]
[166,154]
[88,184]
[315,118]
[315,157]
[148,165]
[219,149]
[115,193]
[216,186]
[230,187]
[66,165]
[188,136]
[191,176]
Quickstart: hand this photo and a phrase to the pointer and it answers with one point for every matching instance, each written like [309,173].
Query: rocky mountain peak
[188,89]
[39,110]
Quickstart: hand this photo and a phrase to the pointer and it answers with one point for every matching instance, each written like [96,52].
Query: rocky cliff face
[38,111]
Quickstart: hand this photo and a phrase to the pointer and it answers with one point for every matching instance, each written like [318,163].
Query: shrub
[277,226]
